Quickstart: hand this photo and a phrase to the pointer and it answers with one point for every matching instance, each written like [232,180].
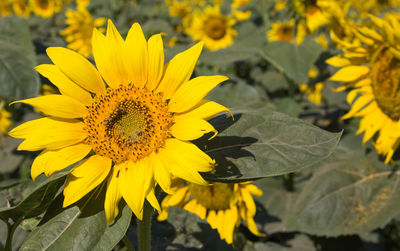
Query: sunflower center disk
[218,196]
[215,28]
[385,76]
[128,123]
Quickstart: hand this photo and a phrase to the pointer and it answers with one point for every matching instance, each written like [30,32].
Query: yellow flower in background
[239,14]
[46,89]
[212,27]
[312,13]
[5,8]
[45,8]
[281,31]
[180,9]
[82,4]
[313,91]
[373,6]
[21,8]
[5,121]
[280,5]
[135,132]
[223,205]
[372,70]
[78,34]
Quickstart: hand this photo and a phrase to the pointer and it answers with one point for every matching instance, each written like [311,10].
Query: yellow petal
[49,133]
[251,225]
[77,68]
[156,61]
[359,104]
[64,84]
[108,53]
[134,183]
[205,109]
[191,92]
[338,61]
[137,56]
[51,161]
[161,173]
[185,160]
[179,70]
[350,73]
[57,105]
[249,202]
[113,196]
[152,199]
[91,173]
[191,128]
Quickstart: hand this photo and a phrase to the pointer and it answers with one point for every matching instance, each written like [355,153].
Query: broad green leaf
[17,59]
[37,196]
[300,242]
[293,60]
[288,106]
[74,229]
[349,194]
[9,158]
[261,143]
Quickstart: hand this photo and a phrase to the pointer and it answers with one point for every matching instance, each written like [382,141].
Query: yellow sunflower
[21,8]
[223,205]
[5,121]
[78,34]
[5,8]
[179,9]
[212,27]
[45,8]
[312,13]
[136,130]
[374,6]
[239,14]
[372,69]
[281,31]
[280,5]
[313,91]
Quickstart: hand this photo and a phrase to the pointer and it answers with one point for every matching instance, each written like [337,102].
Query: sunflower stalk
[10,233]
[144,228]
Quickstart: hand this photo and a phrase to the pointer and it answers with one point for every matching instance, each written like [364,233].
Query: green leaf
[37,196]
[349,194]
[293,60]
[261,143]
[9,160]
[75,229]
[300,242]
[17,59]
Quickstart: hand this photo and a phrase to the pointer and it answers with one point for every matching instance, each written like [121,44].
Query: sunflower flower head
[223,205]
[134,131]
[78,34]
[281,31]
[46,8]
[5,8]
[21,8]
[5,121]
[372,69]
[212,27]
[237,6]
[314,89]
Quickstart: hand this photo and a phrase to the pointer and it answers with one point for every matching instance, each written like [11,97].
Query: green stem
[10,233]
[144,228]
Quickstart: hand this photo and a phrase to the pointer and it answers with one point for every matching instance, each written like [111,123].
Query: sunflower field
[200,125]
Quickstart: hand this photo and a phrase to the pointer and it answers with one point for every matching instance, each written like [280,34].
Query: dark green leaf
[347,195]
[37,196]
[261,143]
[75,229]
[17,59]
[294,60]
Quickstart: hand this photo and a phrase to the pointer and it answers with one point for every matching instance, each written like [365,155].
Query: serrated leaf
[17,59]
[347,195]
[261,143]
[294,60]
[74,229]
[37,196]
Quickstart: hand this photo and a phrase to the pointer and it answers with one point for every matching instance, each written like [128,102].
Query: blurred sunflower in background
[223,205]
[371,67]
[313,90]
[45,8]
[311,12]
[212,27]
[237,7]
[373,6]
[21,8]
[5,121]
[136,130]
[283,31]
[79,32]
[5,8]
